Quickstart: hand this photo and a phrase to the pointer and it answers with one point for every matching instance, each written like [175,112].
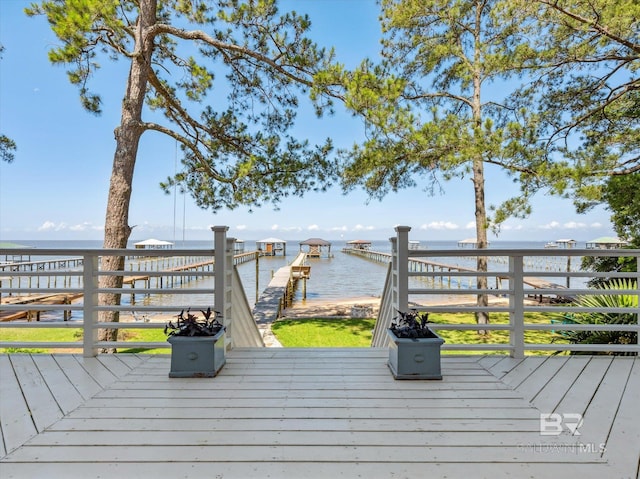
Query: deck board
[622,458]
[518,374]
[322,413]
[531,386]
[43,407]
[67,397]
[308,470]
[578,397]
[604,405]
[86,385]
[16,423]
[555,387]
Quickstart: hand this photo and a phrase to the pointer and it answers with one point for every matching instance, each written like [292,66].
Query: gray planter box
[415,358]
[197,356]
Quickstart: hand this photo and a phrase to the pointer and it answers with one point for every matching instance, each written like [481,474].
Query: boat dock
[279,293]
[42,265]
[422,265]
[63,274]
[54,298]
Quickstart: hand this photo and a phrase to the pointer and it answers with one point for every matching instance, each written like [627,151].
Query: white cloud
[86,226]
[339,228]
[363,228]
[550,226]
[313,228]
[509,227]
[81,227]
[51,226]
[440,225]
[286,229]
[241,227]
[199,228]
[572,225]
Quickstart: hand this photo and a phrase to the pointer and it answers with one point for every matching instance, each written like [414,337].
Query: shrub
[607,300]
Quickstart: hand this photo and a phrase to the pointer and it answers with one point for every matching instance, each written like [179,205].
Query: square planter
[197,356]
[415,358]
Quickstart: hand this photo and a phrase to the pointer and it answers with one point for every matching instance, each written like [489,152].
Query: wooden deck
[316,413]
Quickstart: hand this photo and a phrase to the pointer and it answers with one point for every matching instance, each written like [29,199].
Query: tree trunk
[127,135]
[482,317]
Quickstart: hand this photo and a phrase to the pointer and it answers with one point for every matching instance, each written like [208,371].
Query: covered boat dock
[315,247]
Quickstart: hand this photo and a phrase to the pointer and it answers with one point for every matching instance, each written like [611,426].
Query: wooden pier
[42,265]
[279,293]
[422,266]
[66,298]
[415,265]
[29,314]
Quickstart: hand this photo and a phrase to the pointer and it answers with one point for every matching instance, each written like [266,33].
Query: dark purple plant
[412,325]
[191,325]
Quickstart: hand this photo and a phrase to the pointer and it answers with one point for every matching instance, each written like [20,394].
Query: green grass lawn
[71,335]
[324,333]
[495,337]
[311,333]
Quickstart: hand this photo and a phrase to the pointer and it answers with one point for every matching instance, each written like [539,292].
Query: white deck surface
[316,413]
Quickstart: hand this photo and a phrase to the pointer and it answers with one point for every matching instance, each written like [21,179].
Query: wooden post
[228,289]
[67,312]
[516,306]
[220,268]
[402,253]
[257,275]
[90,313]
[638,291]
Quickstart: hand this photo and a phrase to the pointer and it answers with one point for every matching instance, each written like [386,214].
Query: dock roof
[153,243]
[316,242]
[359,242]
[271,240]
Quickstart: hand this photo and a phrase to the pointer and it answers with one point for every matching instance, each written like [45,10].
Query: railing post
[402,268]
[228,290]
[516,305]
[90,313]
[638,313]
[220,270]
[394,273]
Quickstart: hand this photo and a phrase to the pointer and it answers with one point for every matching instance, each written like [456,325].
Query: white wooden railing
[23,288]
[410,282]
[416,276]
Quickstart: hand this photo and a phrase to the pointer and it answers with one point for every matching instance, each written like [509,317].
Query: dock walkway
[51,298]
[275,296]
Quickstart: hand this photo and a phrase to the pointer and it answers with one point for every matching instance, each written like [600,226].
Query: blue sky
[57,186]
